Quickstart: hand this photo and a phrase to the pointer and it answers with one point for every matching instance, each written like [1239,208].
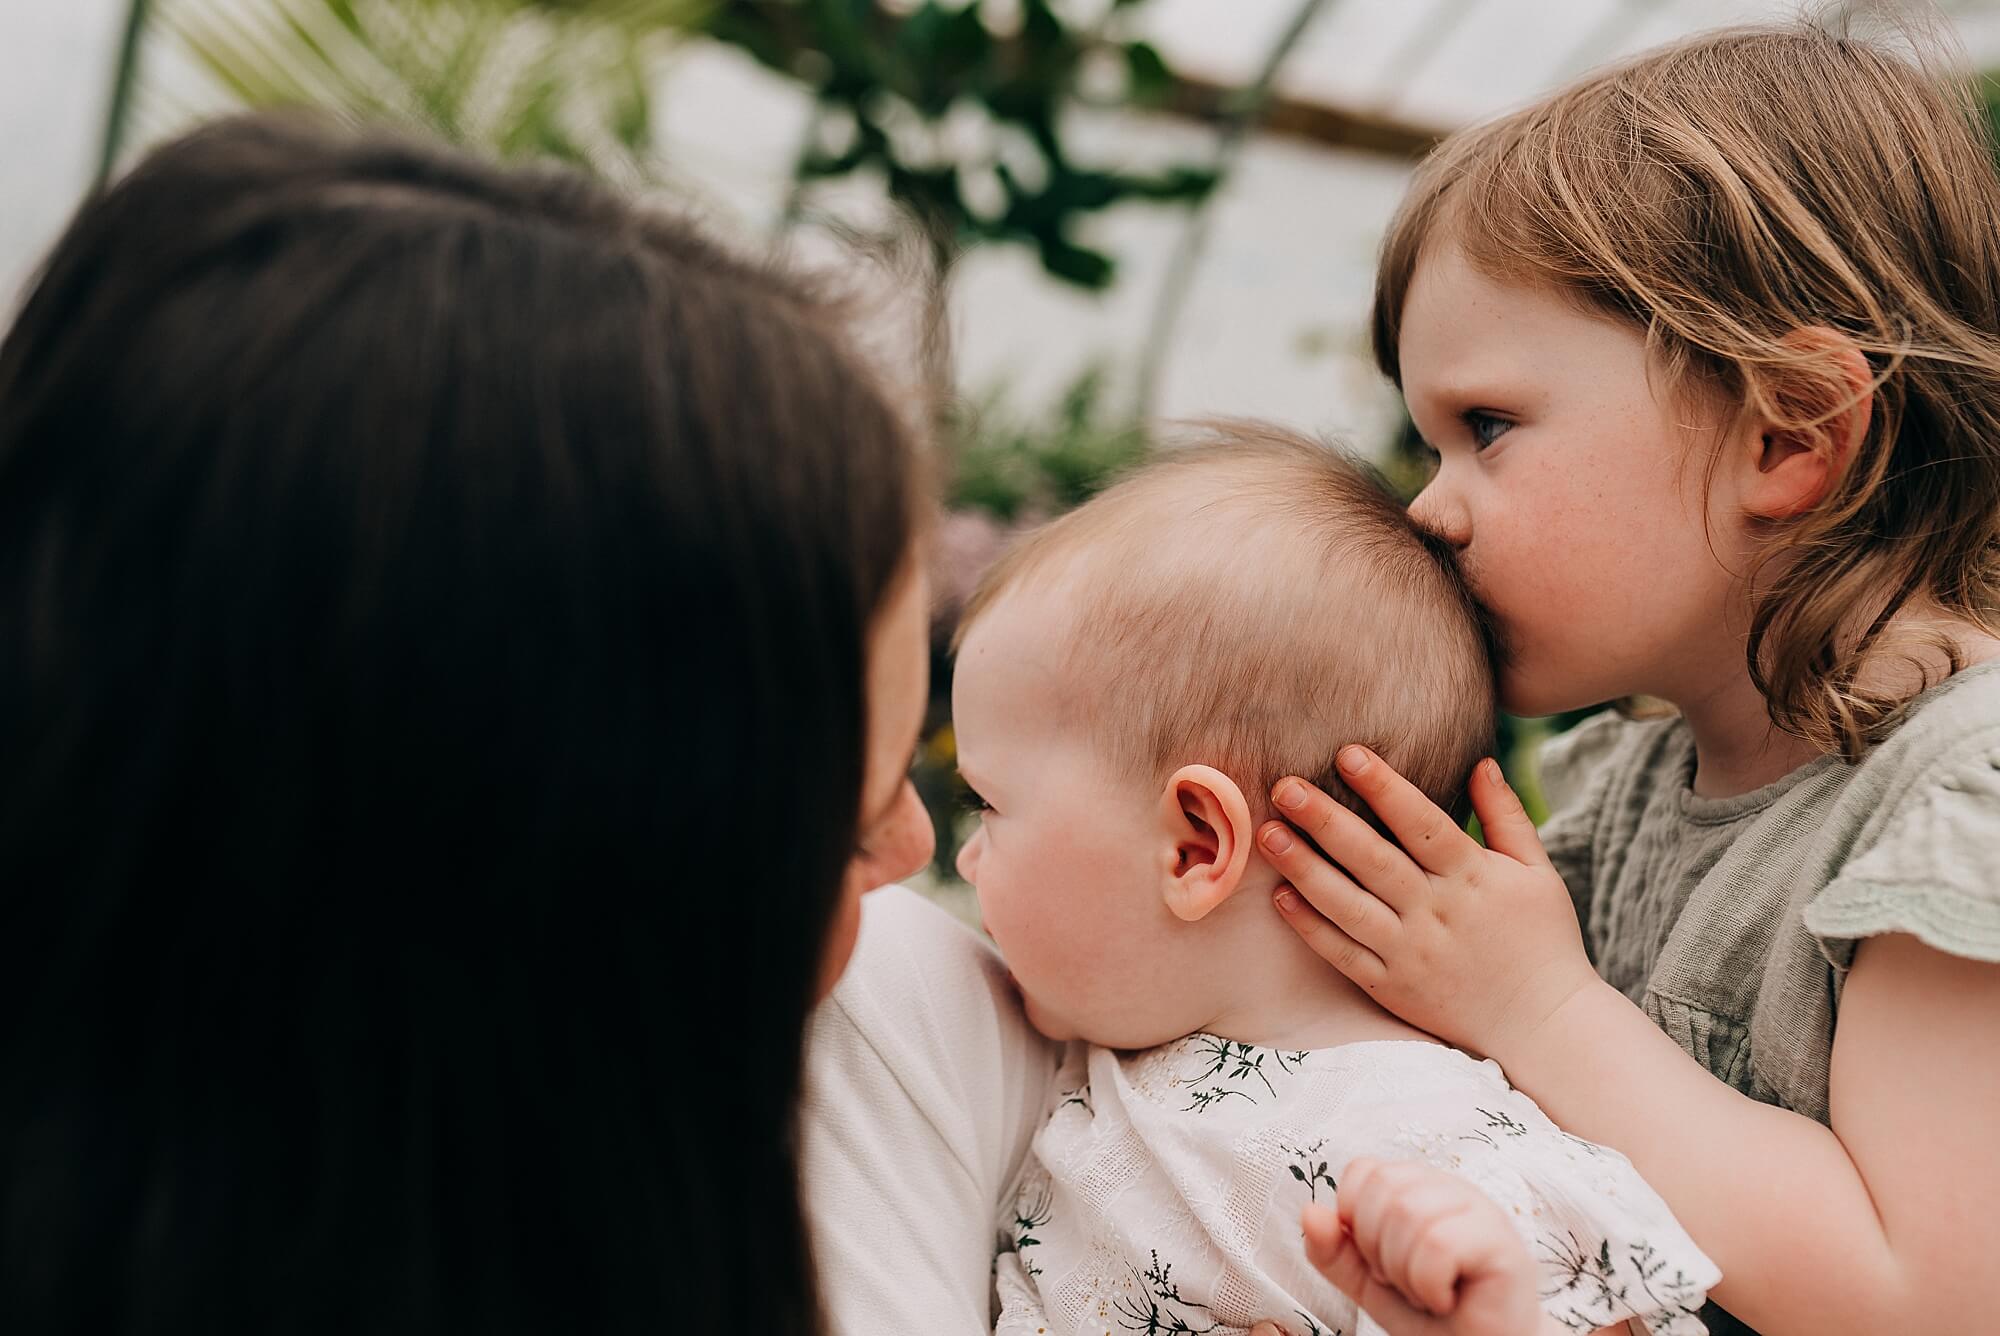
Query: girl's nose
[1438,510]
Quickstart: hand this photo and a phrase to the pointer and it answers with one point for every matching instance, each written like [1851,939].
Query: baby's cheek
[1062,981]
[1048,1023]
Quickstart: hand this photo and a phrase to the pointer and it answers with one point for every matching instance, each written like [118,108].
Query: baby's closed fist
[1424,1253]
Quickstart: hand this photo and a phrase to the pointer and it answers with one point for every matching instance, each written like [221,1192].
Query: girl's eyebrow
[1469,390]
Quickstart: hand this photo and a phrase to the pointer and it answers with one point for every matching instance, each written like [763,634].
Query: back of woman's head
[1723,195]
[433,609]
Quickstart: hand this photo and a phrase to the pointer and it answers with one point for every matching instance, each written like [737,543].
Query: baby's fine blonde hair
[1255,600]
[1722,195]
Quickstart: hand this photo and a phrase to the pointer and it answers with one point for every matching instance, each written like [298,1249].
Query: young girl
[1708,347]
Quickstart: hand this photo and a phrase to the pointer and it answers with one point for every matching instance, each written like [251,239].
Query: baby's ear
[1208,826]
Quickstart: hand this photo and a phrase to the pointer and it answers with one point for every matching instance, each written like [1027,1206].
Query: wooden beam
[1301,118]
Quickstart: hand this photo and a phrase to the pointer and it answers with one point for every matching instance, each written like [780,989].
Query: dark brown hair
[421,587]
[1721,195]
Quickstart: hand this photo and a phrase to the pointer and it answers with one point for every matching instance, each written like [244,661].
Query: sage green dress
[1732,921]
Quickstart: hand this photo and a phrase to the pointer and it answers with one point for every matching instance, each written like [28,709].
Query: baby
[1131,680]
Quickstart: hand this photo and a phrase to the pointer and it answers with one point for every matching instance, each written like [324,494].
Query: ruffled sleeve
[1929,864]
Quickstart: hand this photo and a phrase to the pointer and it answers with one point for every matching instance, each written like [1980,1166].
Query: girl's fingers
[1346,839]
[1349,907]
[1329,943]
[1504,822]
[1427,833]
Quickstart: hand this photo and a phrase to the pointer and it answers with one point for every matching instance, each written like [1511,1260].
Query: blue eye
[1485,427]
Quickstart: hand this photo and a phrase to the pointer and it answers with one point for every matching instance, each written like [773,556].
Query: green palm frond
[567,79]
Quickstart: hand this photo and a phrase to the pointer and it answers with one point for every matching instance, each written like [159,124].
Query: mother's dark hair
[433,610]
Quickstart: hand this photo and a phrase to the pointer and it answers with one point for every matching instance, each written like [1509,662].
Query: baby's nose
[967,861]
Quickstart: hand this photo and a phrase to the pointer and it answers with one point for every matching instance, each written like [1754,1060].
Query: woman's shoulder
[922,986]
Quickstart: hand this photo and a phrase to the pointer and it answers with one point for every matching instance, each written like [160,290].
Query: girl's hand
[1478,945]
[1424,1253]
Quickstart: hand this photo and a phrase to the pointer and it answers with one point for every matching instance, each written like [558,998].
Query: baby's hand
[1478,945]
[1425,1254]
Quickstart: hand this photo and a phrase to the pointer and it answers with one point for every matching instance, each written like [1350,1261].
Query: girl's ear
[1831,391]
[1207,825]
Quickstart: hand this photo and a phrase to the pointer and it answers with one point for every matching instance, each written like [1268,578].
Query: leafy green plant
[959,110]
[569,80]
[1016,469]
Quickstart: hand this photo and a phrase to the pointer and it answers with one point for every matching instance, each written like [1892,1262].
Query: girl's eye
[1486,428]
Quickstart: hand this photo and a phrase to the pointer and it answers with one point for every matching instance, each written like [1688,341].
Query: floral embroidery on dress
[1145,1211]
[1594,1289]
[1033,1209]
[1229,1066]
[1311,1171]
[1496,1124]
[1158,1309]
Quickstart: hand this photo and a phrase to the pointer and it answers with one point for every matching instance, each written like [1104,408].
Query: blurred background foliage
[1025,469]
[960,115]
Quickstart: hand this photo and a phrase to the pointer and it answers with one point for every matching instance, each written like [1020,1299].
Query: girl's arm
[1886,1222]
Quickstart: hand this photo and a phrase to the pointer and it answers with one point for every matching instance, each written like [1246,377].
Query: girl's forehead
[1461,323]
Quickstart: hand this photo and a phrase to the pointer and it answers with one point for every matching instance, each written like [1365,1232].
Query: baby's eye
[972,802]
[1485,427]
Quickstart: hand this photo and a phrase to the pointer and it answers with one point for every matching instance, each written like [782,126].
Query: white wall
[55,65]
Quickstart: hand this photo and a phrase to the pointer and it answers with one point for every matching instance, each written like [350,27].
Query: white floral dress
[1162,1195]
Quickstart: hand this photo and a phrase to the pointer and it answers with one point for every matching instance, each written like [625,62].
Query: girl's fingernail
[1288,901]
[1277,840]
[1291,795]
[1492,769]
[1354,760]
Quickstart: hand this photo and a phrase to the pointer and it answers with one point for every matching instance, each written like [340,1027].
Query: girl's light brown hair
[1723,195]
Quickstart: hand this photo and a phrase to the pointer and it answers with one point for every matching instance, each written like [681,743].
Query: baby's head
[1133,678]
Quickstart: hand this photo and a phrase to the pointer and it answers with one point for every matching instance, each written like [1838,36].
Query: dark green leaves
[980,94]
